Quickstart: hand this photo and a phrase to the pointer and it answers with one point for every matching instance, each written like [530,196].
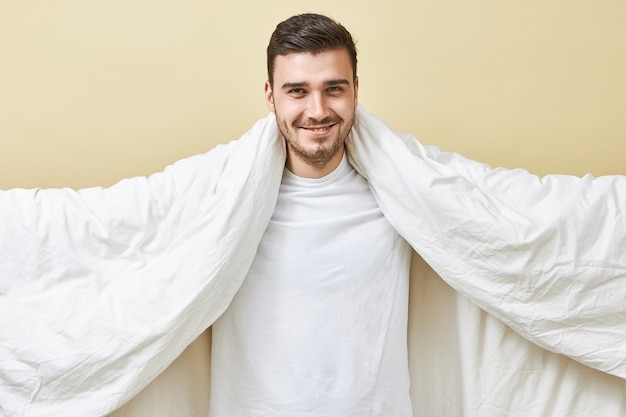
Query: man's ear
[356,91]
[269,97]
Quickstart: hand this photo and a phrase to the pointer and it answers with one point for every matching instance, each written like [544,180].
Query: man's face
[314,98]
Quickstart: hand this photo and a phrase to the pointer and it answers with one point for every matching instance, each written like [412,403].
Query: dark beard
[319,156]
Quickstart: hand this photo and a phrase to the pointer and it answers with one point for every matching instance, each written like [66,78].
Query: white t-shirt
[319,327]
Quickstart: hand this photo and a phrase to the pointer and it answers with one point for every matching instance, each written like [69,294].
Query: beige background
[95,91]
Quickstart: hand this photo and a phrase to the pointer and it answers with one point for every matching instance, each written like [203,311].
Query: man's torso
[319,325]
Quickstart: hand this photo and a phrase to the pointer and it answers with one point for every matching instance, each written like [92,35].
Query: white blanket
[547,256]
[101,289]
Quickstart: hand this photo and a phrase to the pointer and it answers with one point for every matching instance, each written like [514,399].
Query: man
[319,325]
[112,284]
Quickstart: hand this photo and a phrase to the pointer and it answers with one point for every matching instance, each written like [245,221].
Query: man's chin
[323,155]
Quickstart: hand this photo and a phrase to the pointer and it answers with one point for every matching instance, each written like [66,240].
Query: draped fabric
[101,289]
[547,256]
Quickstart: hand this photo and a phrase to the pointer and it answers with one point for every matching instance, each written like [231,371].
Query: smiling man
[319,327]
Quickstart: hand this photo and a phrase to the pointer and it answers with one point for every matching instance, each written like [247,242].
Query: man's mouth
[318,129]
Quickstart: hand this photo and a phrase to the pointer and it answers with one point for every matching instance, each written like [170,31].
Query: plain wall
[95,91]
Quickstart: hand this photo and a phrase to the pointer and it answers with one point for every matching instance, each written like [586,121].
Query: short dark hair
[308,32]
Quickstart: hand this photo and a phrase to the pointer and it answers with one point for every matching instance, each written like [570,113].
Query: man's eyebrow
[288,85]
[339,81]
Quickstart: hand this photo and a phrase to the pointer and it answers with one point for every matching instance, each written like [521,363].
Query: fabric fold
[547,256]
[102,288]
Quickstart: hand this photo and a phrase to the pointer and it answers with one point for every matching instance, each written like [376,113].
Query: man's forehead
[328,65]
[314,54]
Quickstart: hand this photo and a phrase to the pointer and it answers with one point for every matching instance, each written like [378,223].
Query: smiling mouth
[318,129]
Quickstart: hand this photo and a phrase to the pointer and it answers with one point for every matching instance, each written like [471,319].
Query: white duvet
[101,289]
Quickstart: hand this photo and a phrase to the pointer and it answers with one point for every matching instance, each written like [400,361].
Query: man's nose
[317,107]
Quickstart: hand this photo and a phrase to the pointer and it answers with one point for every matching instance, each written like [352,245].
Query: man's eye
[335,89]
[296,91]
